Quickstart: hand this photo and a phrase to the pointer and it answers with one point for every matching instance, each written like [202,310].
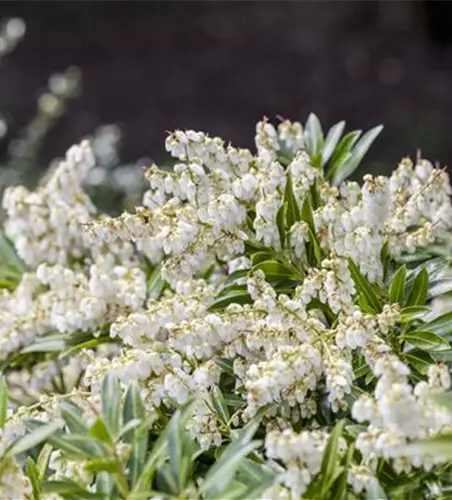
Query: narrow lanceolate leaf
[375,492]
[420,360]
[442,325]
[397,286]
[342,152]
[281,219]
[330,458]
[440,445]
[274,269]
[73,417]
[331,141]
[134,410]
[111,403]
[293,210]
[418,294]
[220,405]
[225,468]
[99,430]
[3,402]
[235,298]
[35,437]
[426,341]
[306,213]
[364,287]
[33,475]
[43,460]
[314,135]
[411,313]
[155,284]
[358,153]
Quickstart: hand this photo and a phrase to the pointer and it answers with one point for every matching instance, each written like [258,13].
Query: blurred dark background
[221,66]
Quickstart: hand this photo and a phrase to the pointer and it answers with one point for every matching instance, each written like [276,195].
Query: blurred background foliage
[150,67]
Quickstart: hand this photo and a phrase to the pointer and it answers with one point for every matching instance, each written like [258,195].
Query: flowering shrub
[259,328]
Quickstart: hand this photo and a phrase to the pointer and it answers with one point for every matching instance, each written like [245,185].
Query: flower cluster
[264,288]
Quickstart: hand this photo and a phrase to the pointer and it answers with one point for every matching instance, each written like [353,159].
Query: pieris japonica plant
[261,327]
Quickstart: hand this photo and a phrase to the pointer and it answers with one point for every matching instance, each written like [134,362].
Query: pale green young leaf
[100,431]
[358,153]
[342,153]
[43,460]
[331,141]
[313,135]
[34,438]
[111,403]
[155,284]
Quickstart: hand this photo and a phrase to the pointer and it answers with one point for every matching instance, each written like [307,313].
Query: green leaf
[35,437]
[43,460]
[426,341]
[342,152]
[306,213]
[155,284]
[330,459]
[281,218]
[73,417]
[375,491]
[70,490]
[397,286]
[440,445]
[274,269]
[313,135]
[364,287]
[240,273]
[8,254]
[411,313]
[418,294]
[314,251]
[3,402]
[224,469]
[331,141]
[32,473]
[293,211]
[45,345]
[220,405]
[100,431]
[154,460]
[111,403]
[235,298]
[358,153]
[103,464]
[259,257]
[442,325]
[420,360]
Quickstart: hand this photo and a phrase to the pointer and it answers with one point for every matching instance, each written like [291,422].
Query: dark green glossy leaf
[364,287]
[397,286]
[426,341]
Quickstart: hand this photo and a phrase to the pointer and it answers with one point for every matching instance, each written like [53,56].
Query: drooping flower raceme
[264,286]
